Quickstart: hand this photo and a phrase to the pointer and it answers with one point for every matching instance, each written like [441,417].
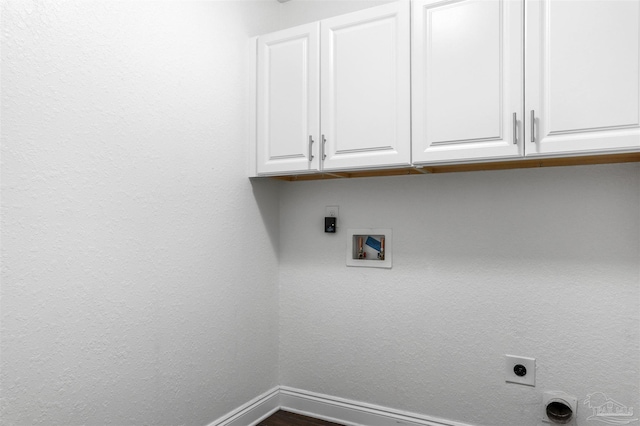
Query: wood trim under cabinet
[471,167]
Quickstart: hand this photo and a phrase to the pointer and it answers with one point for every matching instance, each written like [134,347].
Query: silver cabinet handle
[324,142]
[310,149]
[533,126]
[515,128]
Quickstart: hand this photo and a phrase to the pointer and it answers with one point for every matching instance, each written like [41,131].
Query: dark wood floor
[284,418]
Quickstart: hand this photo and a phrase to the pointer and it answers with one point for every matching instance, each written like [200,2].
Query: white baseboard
[326,407]
[352,413]
[253,412]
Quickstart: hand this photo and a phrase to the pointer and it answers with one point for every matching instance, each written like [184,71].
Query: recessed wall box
[369,247]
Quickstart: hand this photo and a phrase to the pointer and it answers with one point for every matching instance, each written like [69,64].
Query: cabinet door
[467,79]
[582,71]
[365,101]
[288,101]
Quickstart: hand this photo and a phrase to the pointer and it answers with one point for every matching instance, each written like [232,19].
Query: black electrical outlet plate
[330,225]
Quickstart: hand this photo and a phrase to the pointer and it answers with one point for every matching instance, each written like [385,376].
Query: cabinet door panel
[365,99]
[583,75]
[467,79]
[288,97]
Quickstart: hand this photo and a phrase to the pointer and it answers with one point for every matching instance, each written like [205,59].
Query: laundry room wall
[139,264]
[540,263]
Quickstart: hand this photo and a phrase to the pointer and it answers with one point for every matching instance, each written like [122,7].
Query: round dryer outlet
[559,408]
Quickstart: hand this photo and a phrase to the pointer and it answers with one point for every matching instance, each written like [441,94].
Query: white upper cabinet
[581,82]
[467,78]
[582,70]
[366,88]
[431,82]
[362,117]
[288,99]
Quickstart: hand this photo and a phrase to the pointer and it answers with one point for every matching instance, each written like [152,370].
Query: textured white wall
[139,265]
[541,263]
[297,12]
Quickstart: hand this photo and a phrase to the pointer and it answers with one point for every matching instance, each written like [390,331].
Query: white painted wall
[297,12]
[139,264]
[540,263]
